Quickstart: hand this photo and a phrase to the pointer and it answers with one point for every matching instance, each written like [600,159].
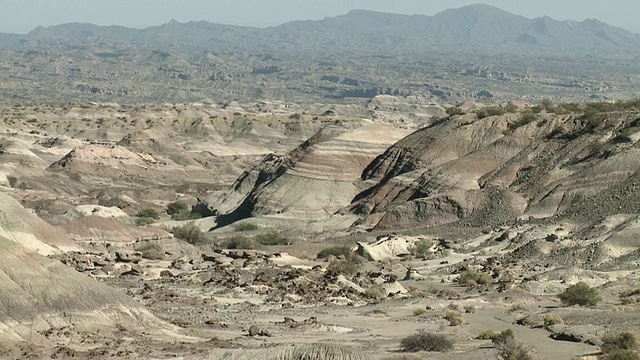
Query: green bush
[179,211]
[580,294]
[177,207]
[148,213]
[239,242]
[247,226]
[189,233]
[271,239]
[424,341]
[623,341]
[151,251]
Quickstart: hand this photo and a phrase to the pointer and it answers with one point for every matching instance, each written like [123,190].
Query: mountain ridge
[475,27]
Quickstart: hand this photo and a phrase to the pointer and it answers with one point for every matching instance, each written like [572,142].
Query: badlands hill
[46,294]
[292,211]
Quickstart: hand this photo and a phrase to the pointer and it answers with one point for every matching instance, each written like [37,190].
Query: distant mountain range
[471,28]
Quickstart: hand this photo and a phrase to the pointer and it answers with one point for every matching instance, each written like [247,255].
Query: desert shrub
[247,226]
[148,213]
[425,341]
[487,335]
[335,251]
[469,308]
[177,207]
[490,111]
[239,242]
[456,110]
[508,348]
[375,292]
[474,278]
[185,215]
[552,319]
[144,221]
[511,107]
[518,307]
[151,251]
[343,266]
[421,248]
[454,318]
[271,239]
[621,355]
[629,293]
[580,294]
[419,311]
[189,233]
[524,120]
[623,341]
[630,296]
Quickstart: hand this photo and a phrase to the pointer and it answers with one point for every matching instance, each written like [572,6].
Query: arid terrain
[475,196]
[260,230]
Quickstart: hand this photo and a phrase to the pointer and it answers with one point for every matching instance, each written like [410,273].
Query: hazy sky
[21,16]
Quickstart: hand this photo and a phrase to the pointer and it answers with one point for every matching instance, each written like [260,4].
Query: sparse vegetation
[469,308]
[580,294]
[189,233]
[624,341]
[630,296]
[343,266]
[375,292]
[238,242]
[473,278]
[425,341]
[271,239]
[151,251]
[148,213]
[419,311]
[179,211]
[246,226]
[456,110]
[177,207]
[422,248]
[144,221]
[335,251]
[454,318]
[487,335]
[508,348]
[490,111]
[552,319]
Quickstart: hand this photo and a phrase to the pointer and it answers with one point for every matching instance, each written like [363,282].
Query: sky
[22,16]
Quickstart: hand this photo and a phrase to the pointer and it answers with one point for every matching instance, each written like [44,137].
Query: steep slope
[23,227]
[39,293]
[488,171]
[313,181]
